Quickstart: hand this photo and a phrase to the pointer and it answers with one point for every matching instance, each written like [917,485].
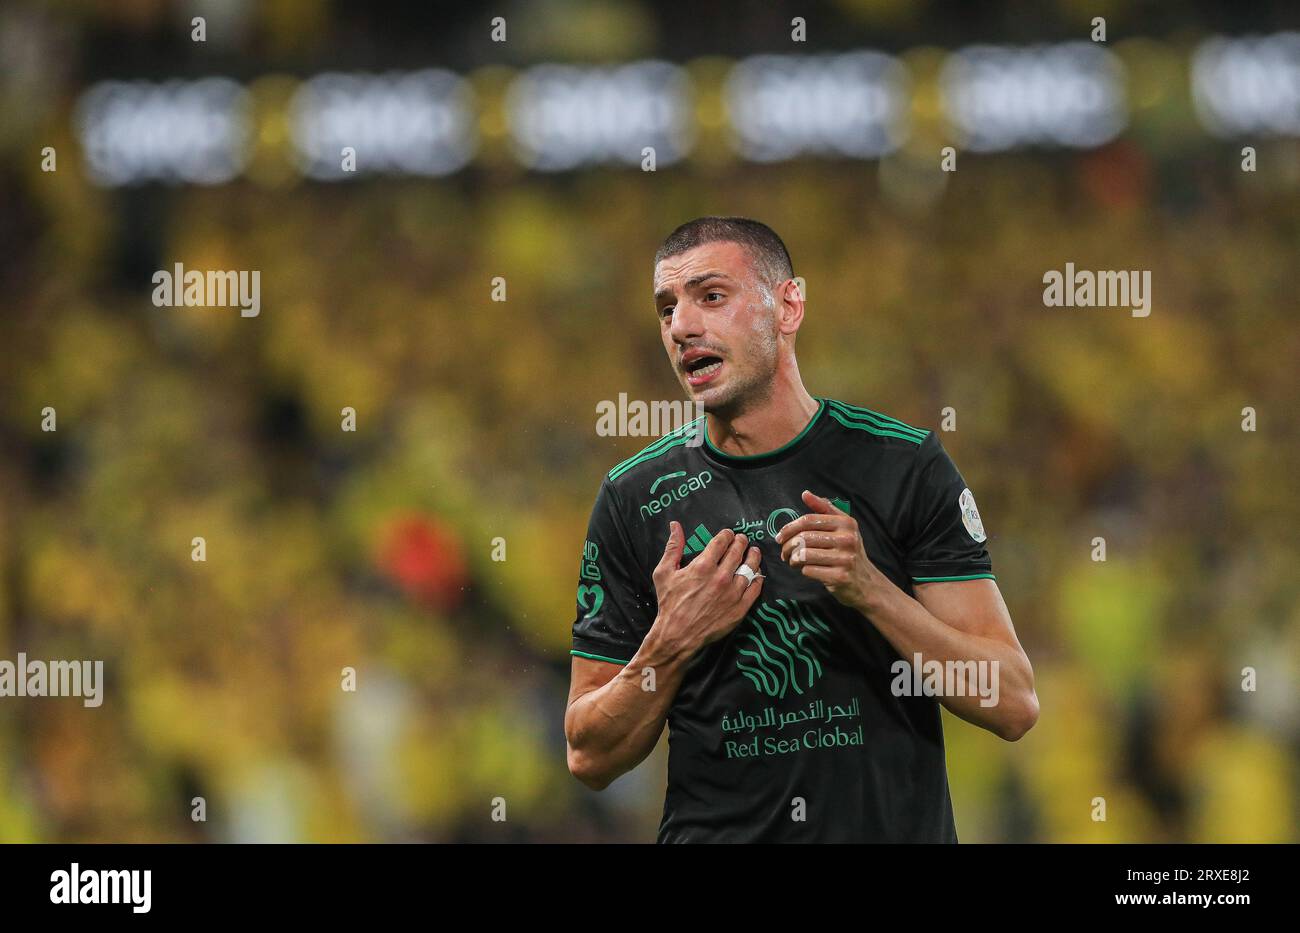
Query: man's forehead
[723,256]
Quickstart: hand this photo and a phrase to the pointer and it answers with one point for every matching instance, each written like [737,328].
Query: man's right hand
[613,720]
[702,602]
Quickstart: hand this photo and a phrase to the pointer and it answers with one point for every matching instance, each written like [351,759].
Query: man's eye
[711,295]
[666,311]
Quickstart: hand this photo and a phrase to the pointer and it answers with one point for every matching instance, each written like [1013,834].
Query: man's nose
[687,323]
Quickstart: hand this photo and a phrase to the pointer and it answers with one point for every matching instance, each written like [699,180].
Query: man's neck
[767,426]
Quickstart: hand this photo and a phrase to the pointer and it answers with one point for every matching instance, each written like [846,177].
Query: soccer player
[782,590]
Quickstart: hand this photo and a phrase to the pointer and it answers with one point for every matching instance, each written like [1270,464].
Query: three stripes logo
[778,644]
[697,539]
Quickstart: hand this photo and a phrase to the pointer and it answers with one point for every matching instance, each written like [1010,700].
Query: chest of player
[710,500]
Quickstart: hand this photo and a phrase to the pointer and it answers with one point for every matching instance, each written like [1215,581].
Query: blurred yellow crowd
[433,550]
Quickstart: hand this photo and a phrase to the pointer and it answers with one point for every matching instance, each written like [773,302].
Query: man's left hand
[826,546]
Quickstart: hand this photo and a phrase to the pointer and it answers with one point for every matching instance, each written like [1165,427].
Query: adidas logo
[699,538]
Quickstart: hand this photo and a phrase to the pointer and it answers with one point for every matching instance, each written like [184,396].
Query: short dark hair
[770,258]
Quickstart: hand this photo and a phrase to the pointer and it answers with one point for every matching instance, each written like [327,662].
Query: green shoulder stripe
[659,447]
[597,657]
[871,428]
[858,413]
[968,576]
[660,442]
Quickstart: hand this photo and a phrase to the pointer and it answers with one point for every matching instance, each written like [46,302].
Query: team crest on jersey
[970,516]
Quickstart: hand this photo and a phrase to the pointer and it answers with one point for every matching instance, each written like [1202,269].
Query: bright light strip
[404,123]
[563,116]
[999,97]
[784,106]
[1248,85]
[177,131]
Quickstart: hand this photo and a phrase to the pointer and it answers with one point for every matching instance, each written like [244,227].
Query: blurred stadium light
[176,131]
[414,123]
[562,116]
[1064,95]
[779,107]
[782,106]
[1248,85]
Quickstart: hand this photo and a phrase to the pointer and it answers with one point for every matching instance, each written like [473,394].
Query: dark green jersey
[787,729]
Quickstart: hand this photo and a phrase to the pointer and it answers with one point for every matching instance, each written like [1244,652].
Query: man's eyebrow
[693,281]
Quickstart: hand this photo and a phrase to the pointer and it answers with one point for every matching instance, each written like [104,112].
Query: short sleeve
[948,538]
[616,603]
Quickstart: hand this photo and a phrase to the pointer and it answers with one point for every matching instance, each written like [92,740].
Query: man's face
[720,334]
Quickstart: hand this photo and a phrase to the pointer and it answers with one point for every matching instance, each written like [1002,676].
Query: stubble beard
[752,388]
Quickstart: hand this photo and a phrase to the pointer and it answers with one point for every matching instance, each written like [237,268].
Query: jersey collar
[770,456]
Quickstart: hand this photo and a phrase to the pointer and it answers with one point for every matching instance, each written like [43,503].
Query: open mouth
[701,368]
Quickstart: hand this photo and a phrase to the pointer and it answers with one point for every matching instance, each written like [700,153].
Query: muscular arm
[612,721]
[960,622]
[947,622]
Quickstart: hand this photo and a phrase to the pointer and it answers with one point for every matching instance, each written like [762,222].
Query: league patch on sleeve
[970,516]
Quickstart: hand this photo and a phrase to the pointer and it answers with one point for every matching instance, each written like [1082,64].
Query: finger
[714,550]
[812,522]
[827,576]
[672,556]
[829,539]
[740,584]
[819,556]
[750,596]
[735,554]
[820,504]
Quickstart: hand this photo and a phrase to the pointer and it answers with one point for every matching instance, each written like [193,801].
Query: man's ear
[789,307]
